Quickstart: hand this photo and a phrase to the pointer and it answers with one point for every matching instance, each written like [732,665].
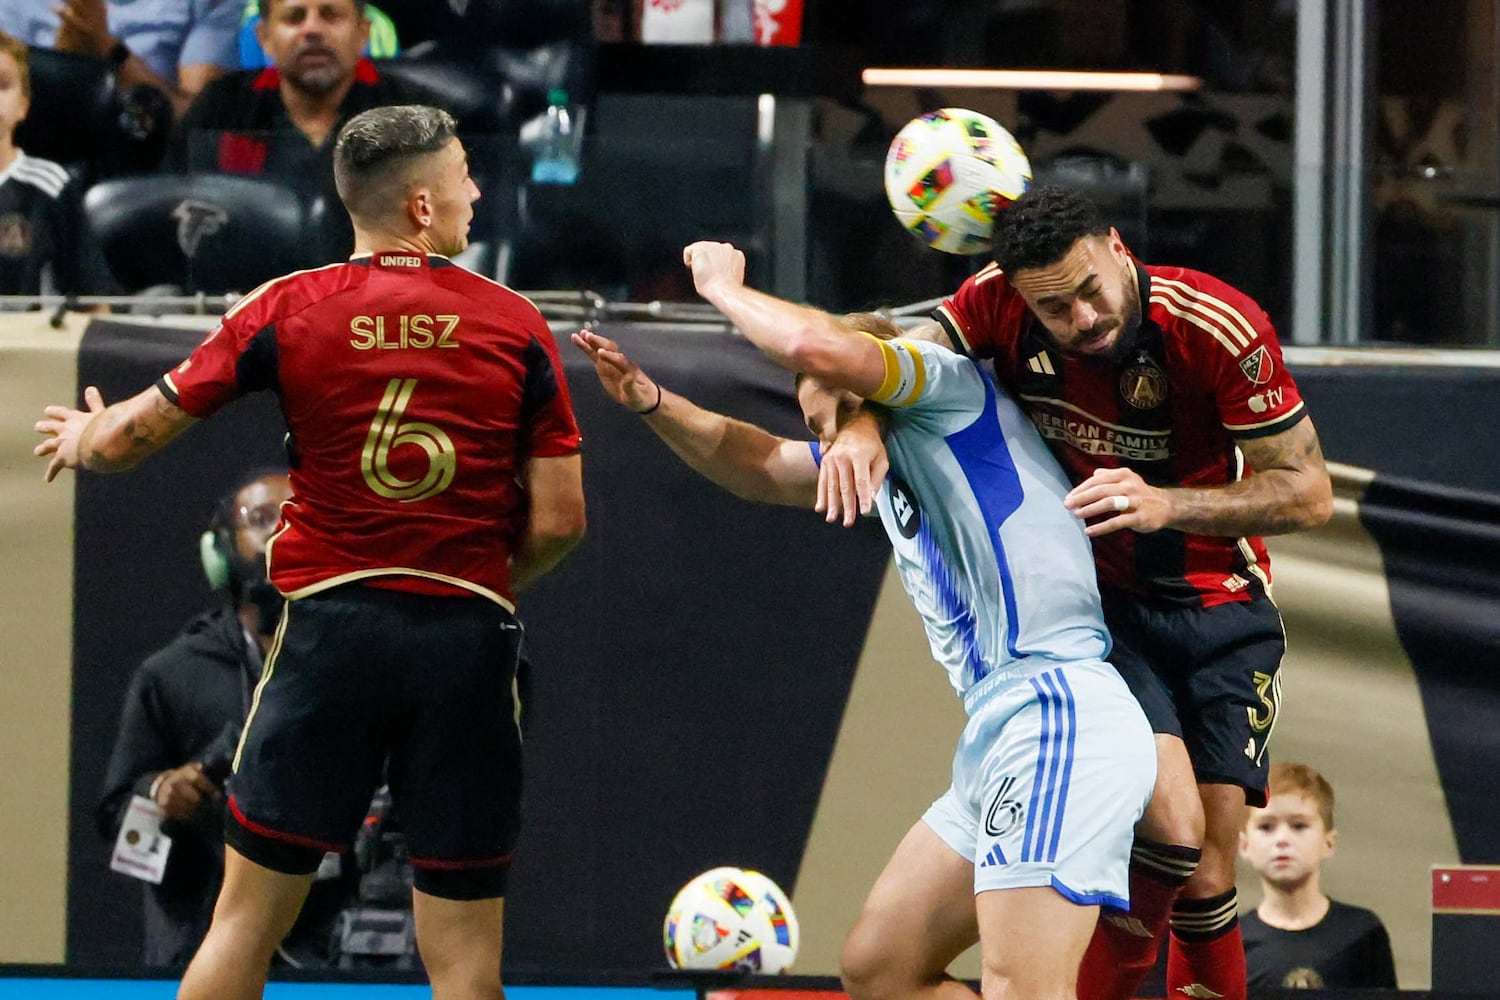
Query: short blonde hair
[1291,777]
[21,54]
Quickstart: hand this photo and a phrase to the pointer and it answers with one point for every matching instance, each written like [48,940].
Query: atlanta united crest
[1143,386]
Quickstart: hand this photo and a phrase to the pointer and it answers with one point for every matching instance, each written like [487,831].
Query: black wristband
[119,54]
[654,406]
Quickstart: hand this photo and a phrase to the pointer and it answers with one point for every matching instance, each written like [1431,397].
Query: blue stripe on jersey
[1048,748]
[984,456]
[1090,898]
[951,600]
[1055,750]
[1070,707]
[1039,779]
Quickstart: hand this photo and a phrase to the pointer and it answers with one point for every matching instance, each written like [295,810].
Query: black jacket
[175,712]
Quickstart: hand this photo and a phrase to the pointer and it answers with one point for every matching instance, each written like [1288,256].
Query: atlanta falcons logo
[195,220]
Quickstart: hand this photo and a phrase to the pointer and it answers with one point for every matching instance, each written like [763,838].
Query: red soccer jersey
[413,392]
[1204,370]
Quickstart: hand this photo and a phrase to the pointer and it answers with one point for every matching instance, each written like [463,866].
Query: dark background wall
[695,654]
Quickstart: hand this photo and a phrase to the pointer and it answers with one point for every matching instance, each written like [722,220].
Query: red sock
[1206,968]
[1124,946]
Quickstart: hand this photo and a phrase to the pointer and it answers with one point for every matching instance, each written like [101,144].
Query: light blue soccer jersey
[1001,573]
[1003,577]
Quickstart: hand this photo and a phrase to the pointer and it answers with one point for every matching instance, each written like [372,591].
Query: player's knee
[460,966]
[1174,815]
[1215,872]
[1009,980]
[865,964]
[465,982]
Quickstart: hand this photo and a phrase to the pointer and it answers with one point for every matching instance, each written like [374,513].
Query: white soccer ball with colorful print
[730,918]
[948,172]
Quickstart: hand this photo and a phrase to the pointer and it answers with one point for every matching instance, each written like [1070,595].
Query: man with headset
[181,723]
[182,719]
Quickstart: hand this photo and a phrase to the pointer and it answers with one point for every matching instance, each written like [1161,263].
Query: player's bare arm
[854,462]
[796,337]
[746,460]
[931,331]
[1289,491]
[108,439]
[555,518]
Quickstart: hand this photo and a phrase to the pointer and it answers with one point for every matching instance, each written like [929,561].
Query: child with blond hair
[1298,937]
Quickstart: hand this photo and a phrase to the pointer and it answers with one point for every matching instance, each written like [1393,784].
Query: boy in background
[1298,938]
[37,208]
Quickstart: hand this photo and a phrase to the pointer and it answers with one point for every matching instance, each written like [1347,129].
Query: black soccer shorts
[360,674]
[1211,676]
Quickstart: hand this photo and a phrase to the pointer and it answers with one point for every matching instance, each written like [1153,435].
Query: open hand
[621,377]
[851,472]
[63,427]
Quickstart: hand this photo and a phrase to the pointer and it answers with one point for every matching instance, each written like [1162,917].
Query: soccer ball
[730,918]
[948,172]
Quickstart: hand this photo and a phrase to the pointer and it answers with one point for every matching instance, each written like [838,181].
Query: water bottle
[557,150]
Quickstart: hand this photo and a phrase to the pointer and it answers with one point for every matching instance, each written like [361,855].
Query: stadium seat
[196,232]
[72,106]
[79,116]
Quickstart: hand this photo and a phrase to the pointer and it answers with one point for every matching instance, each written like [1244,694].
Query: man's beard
[318,80]
[1130,332]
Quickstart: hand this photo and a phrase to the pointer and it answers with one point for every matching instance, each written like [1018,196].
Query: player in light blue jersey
[1056,761]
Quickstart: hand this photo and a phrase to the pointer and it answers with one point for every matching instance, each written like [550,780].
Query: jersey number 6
[387,432]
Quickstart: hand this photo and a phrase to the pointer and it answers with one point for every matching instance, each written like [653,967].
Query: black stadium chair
[73,106]
[79,116]
[197,232]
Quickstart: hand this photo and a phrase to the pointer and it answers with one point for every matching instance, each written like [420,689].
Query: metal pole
[1355,312]
[1309,173]
[784,125]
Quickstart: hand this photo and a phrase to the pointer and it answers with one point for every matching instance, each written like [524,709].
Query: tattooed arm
[1289,491]
[109,439]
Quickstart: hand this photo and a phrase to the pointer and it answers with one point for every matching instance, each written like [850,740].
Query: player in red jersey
[1163,394]
[435,472]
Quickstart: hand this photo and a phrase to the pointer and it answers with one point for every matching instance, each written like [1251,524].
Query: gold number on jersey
[1268,688]
[387,433]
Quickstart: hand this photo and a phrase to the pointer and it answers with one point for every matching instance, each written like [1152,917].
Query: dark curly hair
[1041,226]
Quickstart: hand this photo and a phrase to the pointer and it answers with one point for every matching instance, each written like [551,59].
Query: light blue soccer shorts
[1051,774]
